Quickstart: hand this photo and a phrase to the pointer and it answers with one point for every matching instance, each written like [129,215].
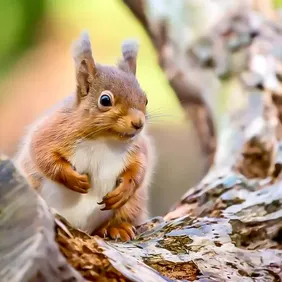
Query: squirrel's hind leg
[122,225]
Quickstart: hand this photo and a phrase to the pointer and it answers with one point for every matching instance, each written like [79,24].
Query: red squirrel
[90,157]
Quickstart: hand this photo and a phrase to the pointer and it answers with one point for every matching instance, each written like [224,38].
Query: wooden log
[28,251]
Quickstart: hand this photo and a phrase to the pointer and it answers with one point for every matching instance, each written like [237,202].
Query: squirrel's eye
[146,103]
[105,100]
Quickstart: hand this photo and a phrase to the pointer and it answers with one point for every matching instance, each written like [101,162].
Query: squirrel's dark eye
[106,100]
[146,103]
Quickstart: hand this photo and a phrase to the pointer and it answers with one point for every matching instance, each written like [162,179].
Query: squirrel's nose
[137,124]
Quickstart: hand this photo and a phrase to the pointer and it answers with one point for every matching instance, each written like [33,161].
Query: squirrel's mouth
[126,135]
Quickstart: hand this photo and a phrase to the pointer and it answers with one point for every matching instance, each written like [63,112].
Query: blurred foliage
[18,22]
[277,3]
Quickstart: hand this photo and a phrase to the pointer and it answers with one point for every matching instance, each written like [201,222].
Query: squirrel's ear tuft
[84,63]
[129,50]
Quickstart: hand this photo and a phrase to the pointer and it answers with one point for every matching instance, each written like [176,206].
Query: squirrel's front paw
[77,182]
[119,196]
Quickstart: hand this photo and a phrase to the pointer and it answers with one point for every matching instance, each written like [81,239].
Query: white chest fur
[103,162]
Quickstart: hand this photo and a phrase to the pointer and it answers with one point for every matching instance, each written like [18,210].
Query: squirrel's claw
[102,232]
[114,202]
[117,198]
[123,231]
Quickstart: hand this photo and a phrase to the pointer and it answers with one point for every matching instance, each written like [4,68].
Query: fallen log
[226,228]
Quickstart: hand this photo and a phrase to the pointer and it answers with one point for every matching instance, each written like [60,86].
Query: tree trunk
[228,227]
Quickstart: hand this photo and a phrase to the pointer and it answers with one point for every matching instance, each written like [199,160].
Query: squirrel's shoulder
[63,106]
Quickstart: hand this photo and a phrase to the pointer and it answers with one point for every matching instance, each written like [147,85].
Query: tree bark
[226,228]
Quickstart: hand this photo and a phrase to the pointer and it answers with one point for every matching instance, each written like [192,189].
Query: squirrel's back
[23,158]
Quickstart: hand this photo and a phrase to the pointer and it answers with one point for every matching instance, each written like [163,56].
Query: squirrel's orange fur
[94,148]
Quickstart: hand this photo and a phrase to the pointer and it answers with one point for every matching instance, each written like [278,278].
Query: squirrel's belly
[103,163]
[81,210]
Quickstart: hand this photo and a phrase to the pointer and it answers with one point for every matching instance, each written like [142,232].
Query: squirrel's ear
[84,63]
[129,50]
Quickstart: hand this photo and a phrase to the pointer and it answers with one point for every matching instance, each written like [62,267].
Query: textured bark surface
[227,228]
[28,251]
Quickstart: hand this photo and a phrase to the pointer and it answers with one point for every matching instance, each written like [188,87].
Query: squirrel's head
[110,99]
